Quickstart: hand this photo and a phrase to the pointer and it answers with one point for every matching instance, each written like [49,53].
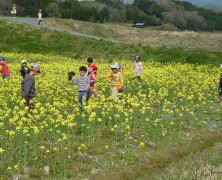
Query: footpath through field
[34,22]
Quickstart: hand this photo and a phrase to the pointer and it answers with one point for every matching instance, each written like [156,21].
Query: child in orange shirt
[116,79]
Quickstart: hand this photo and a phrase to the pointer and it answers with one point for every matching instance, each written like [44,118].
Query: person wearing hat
[24,68]
[4,69]
[39,17]
[116,79]
[28,84]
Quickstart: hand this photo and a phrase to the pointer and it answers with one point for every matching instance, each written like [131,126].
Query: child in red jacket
[92,68]
[4,69]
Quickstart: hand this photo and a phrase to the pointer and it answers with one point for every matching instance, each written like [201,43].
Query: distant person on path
[116,80]
[28,84]
[220,88]
[92,68]
[4,68]
[24,68]
[83,83]
[14,11]
[138,66]
[39,17]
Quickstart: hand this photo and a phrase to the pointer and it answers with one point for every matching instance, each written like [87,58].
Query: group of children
[85,81]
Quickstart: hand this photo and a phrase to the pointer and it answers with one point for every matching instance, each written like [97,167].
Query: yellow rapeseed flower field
[171,97]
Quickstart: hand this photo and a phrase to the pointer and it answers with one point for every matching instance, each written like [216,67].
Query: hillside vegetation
[154,37]
[181,14]
[167,126]
[25,38]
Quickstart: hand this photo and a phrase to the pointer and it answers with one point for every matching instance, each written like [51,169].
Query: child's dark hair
[90,60]
[83,68]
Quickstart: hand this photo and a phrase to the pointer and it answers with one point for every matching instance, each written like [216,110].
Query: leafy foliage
[181,14]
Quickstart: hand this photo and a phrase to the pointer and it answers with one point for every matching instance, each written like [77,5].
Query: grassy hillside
[25,38]
[167,126]
[123,32]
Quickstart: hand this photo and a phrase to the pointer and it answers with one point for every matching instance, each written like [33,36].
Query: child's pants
[114,92]
[89,94]
[82,95]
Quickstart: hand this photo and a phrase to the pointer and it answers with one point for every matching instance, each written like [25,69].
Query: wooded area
[181,14]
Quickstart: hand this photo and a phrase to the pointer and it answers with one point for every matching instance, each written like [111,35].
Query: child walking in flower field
[83,83]
[91,90]
[24,68]
[28,84]
[4,69]
[116,79]
[121,89]
[138,66]
[92,68]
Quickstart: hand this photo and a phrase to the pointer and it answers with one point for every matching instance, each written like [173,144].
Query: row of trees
[181,14]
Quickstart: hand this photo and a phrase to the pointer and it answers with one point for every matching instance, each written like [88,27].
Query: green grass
[176,157]
[25,38]
[122,32]
[96,29]
[191,152]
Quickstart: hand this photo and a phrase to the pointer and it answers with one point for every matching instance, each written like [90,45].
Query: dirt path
[33,22]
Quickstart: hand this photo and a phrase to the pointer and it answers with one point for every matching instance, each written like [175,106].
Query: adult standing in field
[39,17]
[4,69]
[14,11]
[28,84]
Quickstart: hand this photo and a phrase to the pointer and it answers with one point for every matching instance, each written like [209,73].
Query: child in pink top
[91,90]
[138,66]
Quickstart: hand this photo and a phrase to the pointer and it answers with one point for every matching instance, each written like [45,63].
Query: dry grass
[155,162]
[146,36]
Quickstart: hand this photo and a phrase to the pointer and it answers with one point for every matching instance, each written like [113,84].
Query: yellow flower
[2,150]
[128,127]
[42,147]
[9,168]
[142,144]
[16,166]
[55,149]
[99,120]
